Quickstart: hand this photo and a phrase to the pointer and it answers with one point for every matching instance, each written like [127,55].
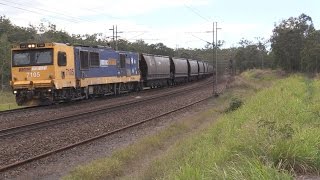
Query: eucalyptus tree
[288,40]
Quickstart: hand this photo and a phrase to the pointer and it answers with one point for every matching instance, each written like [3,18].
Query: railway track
[76,117]
[12,111]
[70,146]
[61,105]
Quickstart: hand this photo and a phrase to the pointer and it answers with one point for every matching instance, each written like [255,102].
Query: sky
[176,23]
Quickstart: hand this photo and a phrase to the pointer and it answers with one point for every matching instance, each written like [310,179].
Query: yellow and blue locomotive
[53,72]
[44,73]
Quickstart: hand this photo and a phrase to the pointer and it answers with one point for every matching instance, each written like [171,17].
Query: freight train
[45,73]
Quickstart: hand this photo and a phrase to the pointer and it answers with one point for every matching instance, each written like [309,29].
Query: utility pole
[213,45]
[316,63]
[2,67]
[116,38]
[2,76]
[112,35]
[216,57]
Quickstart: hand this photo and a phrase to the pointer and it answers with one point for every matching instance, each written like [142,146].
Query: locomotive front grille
[42,83]
[22,86]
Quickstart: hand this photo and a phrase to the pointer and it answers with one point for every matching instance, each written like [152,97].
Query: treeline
[294,46]
[11,34]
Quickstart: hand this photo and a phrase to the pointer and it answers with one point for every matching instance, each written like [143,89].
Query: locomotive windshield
[34,57]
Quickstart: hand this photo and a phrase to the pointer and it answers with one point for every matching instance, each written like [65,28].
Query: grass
[274,135]
[115,165]
[259,74]
[7,101]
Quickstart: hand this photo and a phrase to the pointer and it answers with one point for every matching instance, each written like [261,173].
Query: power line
[102,12]
[35,12]
[71,18]
[195,12]
[199,32]
[145,39]
[138,35]
[201,39]
[134,31]
[46,10]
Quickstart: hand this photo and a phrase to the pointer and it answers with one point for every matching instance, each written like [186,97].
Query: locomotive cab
[39,69]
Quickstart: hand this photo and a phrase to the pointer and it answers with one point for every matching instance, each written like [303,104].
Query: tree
[288,41]
[4,60]
[310,53]
[252,55]
[161,49]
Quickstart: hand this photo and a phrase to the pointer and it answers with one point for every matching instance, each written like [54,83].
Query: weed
[235,103]
[274,135]
[284,131]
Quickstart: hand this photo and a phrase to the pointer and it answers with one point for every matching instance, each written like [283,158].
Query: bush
[234,105]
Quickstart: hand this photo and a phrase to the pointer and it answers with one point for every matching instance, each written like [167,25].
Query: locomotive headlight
[49,90]
[15,92]
[31,45]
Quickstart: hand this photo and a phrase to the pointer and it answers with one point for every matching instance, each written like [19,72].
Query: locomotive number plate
[33,74]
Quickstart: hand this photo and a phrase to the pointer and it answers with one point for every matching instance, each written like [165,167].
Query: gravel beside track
[39,141]
[37,114]
[81,115]
[57,165]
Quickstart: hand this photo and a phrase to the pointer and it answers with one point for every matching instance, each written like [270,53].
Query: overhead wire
[138,35]
[201,39]
[195,12]
[73,19]
[35,12]
[62,16]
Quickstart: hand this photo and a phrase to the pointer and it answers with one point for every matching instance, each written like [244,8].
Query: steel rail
[75,117]
[20,163]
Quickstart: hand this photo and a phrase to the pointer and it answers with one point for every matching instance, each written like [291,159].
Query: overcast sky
[176,23]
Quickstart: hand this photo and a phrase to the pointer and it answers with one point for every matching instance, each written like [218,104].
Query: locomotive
[45,73]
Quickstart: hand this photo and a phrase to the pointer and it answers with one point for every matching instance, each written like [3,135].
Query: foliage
[235,103]
[294,45]
[115,165]
[288,40]
[7,101]
[48,32]
[252,55]
[268,138]
[310,53]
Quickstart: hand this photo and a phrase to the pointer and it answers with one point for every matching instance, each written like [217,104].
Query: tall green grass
[7,101]
[274,135]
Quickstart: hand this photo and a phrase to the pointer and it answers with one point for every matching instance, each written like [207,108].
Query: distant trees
[288,41]
[295,46]
[310,54]
[5,38]
[252,55]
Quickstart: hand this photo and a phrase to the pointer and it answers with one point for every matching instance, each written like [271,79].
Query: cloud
[232,33]
[120,8]
[98,16]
